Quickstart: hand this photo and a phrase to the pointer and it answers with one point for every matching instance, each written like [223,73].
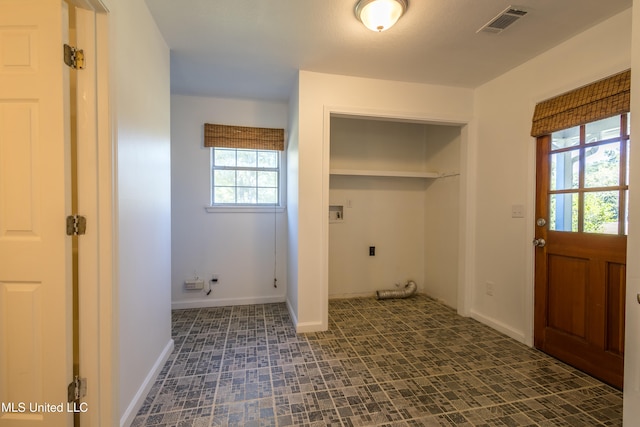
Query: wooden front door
[580,255]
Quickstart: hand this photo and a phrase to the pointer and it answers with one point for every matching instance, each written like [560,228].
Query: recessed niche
[336,213]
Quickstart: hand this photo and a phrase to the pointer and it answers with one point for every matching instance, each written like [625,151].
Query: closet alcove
[394,185]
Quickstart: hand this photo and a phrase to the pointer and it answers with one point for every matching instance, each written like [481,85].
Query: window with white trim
[245,177]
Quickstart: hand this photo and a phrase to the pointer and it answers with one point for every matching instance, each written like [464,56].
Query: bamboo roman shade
[243,137]
[599,100]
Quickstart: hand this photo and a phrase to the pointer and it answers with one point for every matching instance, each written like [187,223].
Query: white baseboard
[499,326]
[302,327]
[135,405]
[222,302]
[294,318]
[310,327]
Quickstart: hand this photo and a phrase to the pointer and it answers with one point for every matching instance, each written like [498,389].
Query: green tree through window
[588,173]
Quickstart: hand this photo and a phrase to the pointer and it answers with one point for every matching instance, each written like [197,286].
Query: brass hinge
[76,225]
[77,389]
[74,57]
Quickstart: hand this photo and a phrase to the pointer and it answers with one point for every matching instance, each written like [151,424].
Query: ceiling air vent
[503,20]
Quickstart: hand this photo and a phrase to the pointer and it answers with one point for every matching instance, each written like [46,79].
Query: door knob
[539,243]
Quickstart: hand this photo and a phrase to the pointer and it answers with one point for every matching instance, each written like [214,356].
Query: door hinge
[77,389]
[74,57]
[76,225]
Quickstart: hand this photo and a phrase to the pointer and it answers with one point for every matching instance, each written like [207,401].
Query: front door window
[588,186]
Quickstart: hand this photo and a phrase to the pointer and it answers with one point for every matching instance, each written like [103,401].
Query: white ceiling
[252,48]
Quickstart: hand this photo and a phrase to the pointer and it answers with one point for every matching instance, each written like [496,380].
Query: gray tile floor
[410,362]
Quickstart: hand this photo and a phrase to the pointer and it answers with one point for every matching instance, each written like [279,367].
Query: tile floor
[410,362]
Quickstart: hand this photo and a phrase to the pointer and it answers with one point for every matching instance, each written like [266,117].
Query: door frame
[96,267]
[535,232]
[529,294]
[631,410]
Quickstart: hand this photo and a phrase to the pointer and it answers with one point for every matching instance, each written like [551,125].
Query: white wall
[506,165]
[319,96]
[387,213]
[442,212]
[631,409]
[238,247]
[140,105]
[293,174]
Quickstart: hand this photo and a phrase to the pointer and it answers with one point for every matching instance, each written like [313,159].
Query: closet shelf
[400,174]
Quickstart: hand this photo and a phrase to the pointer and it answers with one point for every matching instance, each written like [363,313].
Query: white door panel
[35,271]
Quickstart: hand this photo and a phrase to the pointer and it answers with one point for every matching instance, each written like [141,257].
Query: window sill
[244,209]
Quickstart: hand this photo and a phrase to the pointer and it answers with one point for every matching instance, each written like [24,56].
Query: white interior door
[35,267]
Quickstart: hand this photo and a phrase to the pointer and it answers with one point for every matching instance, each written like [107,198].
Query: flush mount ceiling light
[380,15]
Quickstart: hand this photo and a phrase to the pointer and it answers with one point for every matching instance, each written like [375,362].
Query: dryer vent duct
[505,19]
[409,289]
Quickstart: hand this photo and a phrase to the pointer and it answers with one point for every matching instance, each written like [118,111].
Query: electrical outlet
[517,211]
[214,278]
[489,288]
[193,285]
[372,251]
